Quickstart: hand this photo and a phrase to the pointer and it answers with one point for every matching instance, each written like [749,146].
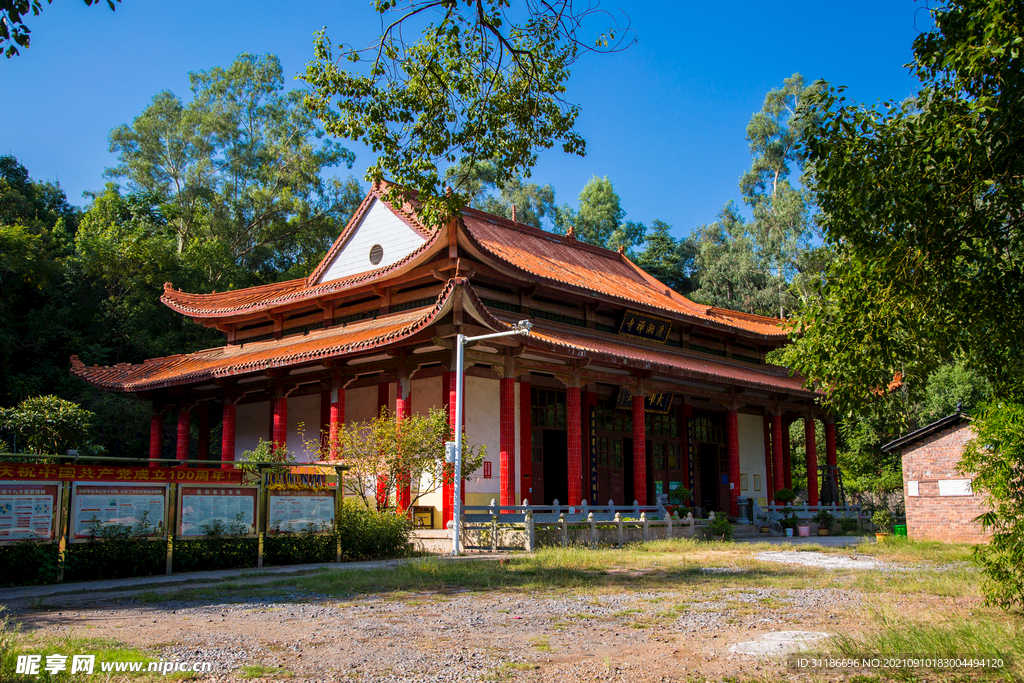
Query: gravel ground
[469,636]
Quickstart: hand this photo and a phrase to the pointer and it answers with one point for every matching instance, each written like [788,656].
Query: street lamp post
[461,340]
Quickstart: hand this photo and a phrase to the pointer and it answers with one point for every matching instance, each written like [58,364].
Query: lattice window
[548,407]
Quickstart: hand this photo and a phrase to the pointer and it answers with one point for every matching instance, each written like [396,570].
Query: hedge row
[364,534]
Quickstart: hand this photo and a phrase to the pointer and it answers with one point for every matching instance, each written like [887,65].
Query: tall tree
[600,219]
[671,261]
[485,81]
[241,168]
[921,203]
[534,204]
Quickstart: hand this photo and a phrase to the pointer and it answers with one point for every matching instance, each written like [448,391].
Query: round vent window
[376,254]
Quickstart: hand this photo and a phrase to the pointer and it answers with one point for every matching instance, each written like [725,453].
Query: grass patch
[980,634]
[261,671]
[542,644]
[15,642]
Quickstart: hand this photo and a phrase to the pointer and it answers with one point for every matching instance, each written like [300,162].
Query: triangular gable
[377,237]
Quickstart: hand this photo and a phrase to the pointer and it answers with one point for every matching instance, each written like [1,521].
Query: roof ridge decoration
[225,361]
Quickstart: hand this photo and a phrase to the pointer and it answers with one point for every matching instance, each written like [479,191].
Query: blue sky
[664,120]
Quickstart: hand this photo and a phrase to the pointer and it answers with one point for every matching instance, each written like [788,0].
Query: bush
[848,524]
[883,519]
[721,526]
[28,563]
[824,519]
[368,534]
[785,495]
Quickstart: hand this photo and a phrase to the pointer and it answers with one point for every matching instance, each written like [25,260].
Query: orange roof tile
[227,361]
[665,360]
[594,270]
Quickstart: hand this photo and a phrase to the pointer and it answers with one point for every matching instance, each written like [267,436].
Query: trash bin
[804,530]
[900,530]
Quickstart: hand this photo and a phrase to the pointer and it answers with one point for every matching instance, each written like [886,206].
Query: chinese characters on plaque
[645,326]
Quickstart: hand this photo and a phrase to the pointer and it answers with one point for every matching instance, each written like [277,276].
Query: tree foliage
[240,172]
[478,182]
[921,202]
[484,81]
[766,265]
[13,32]
[48,424]
[386,453]
[995,458]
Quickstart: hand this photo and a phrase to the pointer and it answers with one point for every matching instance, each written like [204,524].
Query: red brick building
[624,390]
[939,501]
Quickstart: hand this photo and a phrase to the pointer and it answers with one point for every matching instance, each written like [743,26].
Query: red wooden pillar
[684,431]
[156,437]
[830,445]
[337,417]
[732,442]
[787,460]
[777,452]
[525,443]
[769,479]
[448,487]
[383,400]
[184,426]
[280,433]
[639,451]
[227,435]
[508,440]
[204,430]
[403,409]
[575,463]
[812,460]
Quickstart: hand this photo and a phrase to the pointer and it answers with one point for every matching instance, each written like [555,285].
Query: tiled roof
[664,360]
[589,269]
[267,297]
[228,361]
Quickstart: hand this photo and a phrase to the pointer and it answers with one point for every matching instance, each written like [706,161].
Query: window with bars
[547,407]
[675,462]
[611,419]
[609,452]
[662,425]
[707,429]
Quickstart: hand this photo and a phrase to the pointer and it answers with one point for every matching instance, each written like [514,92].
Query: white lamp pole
[521,327]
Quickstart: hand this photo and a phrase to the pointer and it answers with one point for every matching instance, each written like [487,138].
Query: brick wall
[940,511]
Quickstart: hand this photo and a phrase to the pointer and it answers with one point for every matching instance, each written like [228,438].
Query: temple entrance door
[556,466]
[708,458]
[627,474]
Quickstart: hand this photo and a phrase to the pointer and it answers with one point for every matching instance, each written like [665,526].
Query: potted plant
[883,520]
[824,519]
[766,522]
[721,527]
[848,525]
[677,498]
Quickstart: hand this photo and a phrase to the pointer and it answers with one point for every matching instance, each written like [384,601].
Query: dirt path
[681,633]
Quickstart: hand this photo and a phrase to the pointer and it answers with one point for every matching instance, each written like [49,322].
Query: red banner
[118,474]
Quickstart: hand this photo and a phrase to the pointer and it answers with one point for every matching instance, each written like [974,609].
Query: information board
[233,509]
[107,504]
[298,510]
[27,510]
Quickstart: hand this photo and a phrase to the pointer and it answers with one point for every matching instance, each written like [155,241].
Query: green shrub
[848,524]
[824,519]
[721,526]
[883,519]
[29,562]
[368,534]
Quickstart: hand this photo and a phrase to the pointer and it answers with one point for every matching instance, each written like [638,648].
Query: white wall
[361,404]
[483,426]
[426,394]
[379,226]
[304,410]
[751,432]
[252,423]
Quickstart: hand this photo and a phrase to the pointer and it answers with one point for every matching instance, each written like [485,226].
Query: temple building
[623,391]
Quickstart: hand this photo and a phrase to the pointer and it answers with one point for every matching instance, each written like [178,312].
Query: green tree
[14,33]
[995,458]
[478,182]
[671,261]
[729,273]
[485,81]
[388,453]
[921,203]
[240,169]
[48,424]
